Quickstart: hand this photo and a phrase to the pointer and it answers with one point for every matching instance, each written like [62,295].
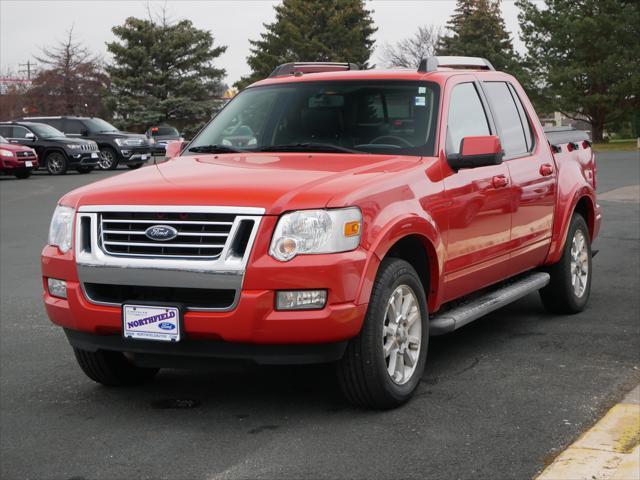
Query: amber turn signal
[351,229]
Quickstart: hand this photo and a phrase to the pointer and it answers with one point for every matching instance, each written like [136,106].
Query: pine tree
[478,30]
[586,54]
[163,71]
[312,30]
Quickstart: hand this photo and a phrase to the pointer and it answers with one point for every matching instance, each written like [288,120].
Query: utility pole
[29,67]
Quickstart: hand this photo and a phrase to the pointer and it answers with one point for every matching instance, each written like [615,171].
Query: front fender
[394,229]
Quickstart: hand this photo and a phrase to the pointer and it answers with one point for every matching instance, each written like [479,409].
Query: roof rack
[311,67]
[431,64]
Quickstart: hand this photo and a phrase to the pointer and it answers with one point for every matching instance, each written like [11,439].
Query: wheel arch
[584,204]
[417,241]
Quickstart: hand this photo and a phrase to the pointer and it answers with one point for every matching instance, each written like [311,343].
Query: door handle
[546,169]
[500,181]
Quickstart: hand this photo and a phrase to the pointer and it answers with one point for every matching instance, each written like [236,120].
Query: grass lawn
[629,145]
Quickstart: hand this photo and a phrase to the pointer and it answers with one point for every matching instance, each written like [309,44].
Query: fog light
[57,288]
[301,300]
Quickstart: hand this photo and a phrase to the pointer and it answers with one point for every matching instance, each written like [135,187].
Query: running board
[467,312]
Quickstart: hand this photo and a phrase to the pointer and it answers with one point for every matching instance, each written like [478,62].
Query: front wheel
[108,159]
[56,163]
[570,285]
[23,175]
[112,368]
[382,366]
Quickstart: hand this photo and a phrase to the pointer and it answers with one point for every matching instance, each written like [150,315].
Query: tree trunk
[597,129]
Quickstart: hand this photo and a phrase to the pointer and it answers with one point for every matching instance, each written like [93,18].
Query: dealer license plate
[144,157]
[28,164]
[144,322]
[94,155]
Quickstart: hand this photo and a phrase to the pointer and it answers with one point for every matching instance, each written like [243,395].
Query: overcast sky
[27,25]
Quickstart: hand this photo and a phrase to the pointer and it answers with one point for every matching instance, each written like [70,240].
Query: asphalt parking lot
[499,398]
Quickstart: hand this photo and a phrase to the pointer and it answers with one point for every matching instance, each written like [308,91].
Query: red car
[361,212]
[17,160]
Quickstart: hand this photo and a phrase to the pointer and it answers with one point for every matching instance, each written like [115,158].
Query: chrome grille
[200,235]
[25,154]
[89,147]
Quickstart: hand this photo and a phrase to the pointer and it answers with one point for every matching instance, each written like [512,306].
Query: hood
[120,134]
[275,182]
[13,147]
[70,140]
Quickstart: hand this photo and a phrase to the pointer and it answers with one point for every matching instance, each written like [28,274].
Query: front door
[480,219]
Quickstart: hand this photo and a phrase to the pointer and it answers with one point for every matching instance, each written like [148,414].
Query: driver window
[466,116]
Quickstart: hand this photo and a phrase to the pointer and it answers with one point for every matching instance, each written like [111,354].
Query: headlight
[316,231]
[73,146]
[61,229]
[6,153]
[129,142]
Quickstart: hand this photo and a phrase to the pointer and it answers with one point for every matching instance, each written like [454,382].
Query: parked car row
[63,143]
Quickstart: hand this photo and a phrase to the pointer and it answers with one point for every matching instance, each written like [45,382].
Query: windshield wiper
[308,147]
[213,149]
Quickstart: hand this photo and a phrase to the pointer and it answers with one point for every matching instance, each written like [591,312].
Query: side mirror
[477,152]
[174,148]
[29,136]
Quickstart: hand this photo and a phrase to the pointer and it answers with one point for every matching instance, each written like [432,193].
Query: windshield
[377,117]
[46,131]
[97,125]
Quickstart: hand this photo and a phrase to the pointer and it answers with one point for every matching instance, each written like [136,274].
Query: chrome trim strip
[173,208]
[162,245]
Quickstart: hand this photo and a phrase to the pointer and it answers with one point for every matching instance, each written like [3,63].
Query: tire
[23,175]
[108,159]
[363,372]
[85,169]
[562,295]
[112,368]
[135,166]
[56,163]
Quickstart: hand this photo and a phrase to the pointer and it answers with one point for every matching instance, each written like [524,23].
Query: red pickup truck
[327,214]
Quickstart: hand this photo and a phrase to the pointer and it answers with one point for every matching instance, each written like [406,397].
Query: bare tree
[409,52]
[70,80]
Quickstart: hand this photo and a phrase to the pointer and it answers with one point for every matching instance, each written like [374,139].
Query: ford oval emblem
[161,233]
[166,326]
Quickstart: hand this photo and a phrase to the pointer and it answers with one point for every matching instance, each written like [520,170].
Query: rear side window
[526,125]
[466,116]
[507,119]
[73,127]
[20,132]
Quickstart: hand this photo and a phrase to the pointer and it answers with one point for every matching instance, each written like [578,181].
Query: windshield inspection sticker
[421,101]
[151,323]
[422,90]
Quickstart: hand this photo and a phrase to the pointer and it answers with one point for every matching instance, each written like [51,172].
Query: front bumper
[83,159]
[134,155]
[15,165]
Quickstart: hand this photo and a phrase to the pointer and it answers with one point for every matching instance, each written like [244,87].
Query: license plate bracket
[153,322]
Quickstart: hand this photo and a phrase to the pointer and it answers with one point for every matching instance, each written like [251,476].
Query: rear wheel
[112,368]
[108,159]
[23,175]
[570,285]
[56,163]
[383,365]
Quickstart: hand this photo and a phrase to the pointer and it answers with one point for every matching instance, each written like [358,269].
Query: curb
[610,450]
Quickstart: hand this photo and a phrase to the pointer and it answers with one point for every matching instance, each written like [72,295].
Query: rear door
[533,177]
[480,218]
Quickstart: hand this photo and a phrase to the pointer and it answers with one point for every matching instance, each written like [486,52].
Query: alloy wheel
[402,334]
[579,263]
[107,159]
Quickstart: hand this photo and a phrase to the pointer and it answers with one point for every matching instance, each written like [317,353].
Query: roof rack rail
[431,64]
[311,67]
